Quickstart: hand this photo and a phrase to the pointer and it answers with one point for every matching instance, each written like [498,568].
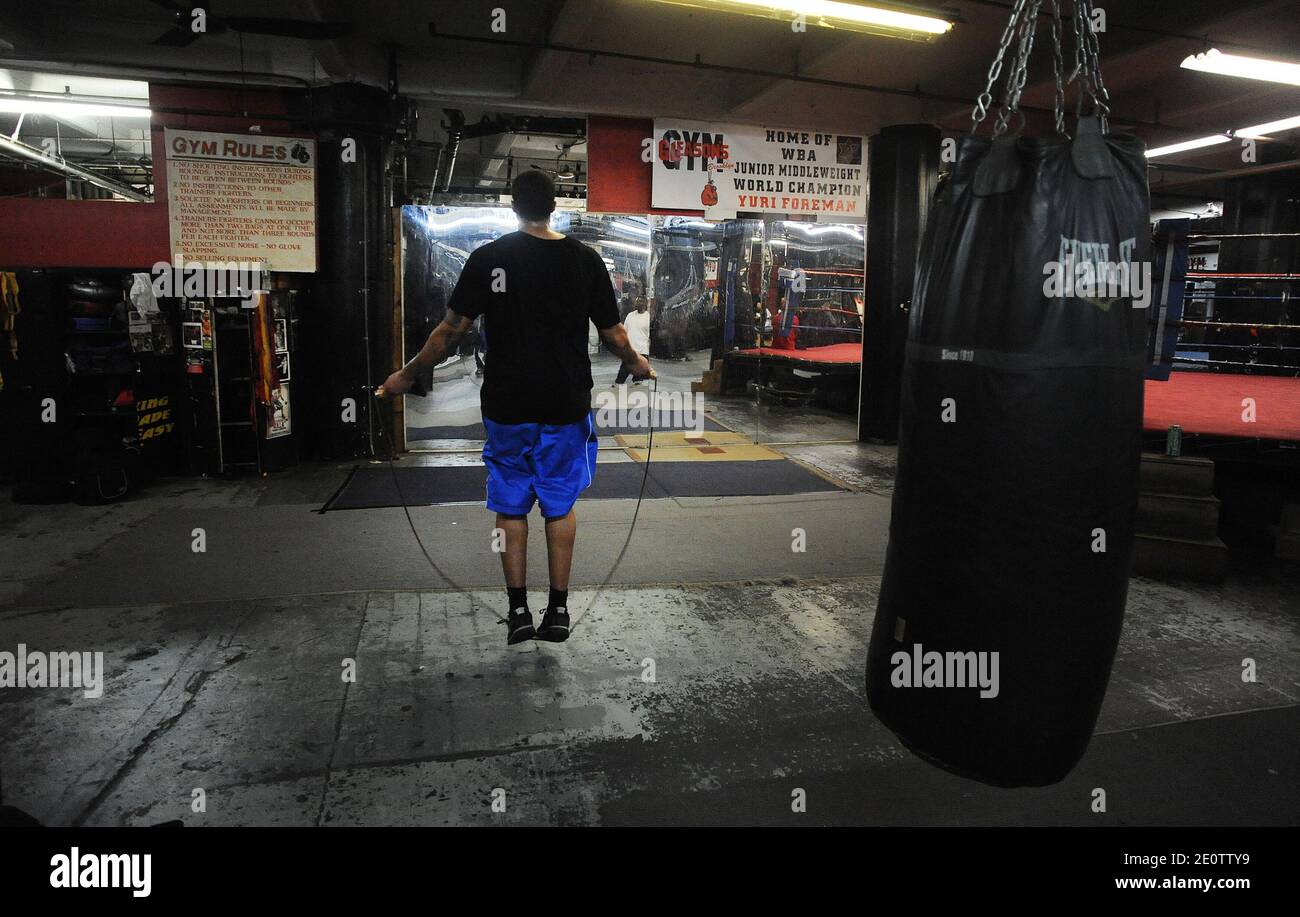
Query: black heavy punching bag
[1019,446]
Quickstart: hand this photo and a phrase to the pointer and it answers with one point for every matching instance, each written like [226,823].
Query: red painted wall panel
[618,179]
[60,233]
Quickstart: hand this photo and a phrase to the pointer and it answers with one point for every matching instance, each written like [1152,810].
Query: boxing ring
[1201,403]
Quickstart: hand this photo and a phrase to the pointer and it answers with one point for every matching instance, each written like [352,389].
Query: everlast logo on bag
[1083,270]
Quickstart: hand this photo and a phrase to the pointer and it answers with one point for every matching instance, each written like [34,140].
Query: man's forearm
[618,342]
[433,352]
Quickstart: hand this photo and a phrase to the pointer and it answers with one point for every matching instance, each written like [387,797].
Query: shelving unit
[101,368]
[226,435]
[238,440]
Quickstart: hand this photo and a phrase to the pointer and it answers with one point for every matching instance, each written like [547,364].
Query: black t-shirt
[537,296]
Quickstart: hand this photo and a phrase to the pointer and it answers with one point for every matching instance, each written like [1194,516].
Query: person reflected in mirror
[637,324]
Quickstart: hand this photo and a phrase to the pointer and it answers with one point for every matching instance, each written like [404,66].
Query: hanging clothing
[9,311]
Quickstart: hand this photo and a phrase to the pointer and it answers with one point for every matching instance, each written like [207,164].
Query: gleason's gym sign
[729,168]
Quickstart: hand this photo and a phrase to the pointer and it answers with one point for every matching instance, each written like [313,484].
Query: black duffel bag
[93,289]
[1019,448]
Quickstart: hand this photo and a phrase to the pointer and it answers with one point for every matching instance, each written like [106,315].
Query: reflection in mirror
[436,241]
[623,243]
[706,278]
[761,319]
[803,372]
[765,319]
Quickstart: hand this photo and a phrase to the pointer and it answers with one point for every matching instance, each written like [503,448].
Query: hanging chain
[1088,63]
[1079,69]
[1008,77]
[1100,97]
[1016,78]
[1058,68]
[985,98]
[1021,28]
[1080,73]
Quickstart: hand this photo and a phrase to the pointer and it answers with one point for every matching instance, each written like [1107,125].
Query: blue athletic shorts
[548,463]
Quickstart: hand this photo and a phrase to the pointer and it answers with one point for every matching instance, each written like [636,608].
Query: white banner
[242,198]
[725,168]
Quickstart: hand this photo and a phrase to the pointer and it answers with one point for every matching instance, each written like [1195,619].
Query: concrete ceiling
[748,62]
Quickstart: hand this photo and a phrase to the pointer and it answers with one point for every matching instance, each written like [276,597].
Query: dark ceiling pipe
[457,130]
[1231,175]
[526,124]
[385,128]
[1205,40]
[63,167]
[698,64]
[453,130]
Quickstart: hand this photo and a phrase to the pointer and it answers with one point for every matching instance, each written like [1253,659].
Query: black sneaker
[555,625]
[519,627]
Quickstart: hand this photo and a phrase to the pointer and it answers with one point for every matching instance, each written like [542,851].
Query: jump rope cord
[645,475]
[392,468]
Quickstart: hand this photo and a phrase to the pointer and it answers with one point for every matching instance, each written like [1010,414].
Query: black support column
[346,324]
[904,163]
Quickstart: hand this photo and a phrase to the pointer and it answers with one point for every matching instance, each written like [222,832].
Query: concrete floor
[223,671]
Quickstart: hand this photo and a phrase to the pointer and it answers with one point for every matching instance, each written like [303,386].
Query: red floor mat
[829,353]
[1212,403]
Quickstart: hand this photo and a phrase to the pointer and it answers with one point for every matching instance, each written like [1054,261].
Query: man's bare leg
[560,534]
[514,563]
[514,559]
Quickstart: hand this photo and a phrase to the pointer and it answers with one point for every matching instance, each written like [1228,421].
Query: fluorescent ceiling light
[1187,145]
[439,222]
[1207,211]
[630,228]
[70,109]
[638,249]
[891,20]
[676,222]
[814,229]
[1254,132]
[1251,68]
[1271,127]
